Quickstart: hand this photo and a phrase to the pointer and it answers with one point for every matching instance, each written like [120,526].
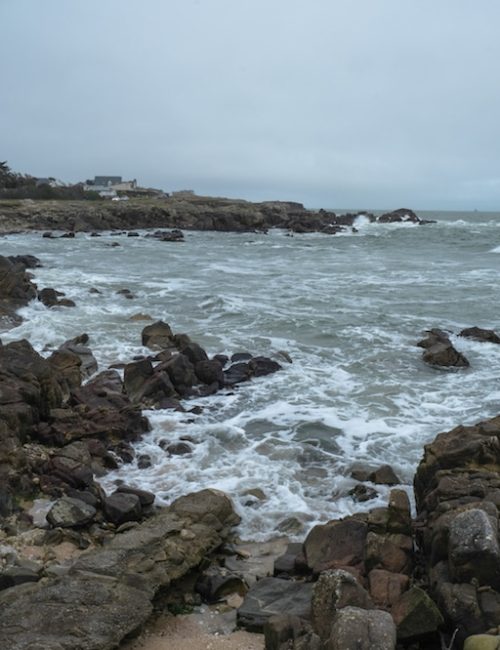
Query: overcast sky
[335,103]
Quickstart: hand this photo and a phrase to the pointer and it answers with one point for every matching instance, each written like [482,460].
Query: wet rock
[144,461]
[121,507]
[158,335]
[181,373]
[126,293]
[145,385]
[362,493]
[236,374]
[176,448]
[333,591]
[145,498]
[238,357]
[272,596]
[479,334]
[401,215]
[50,298]
[16,290]
[362,629]
[282,628]
[384,475]
[439,351]
[79,347]
[261,366]
[335,544]
[399,514]
[416,615]
[209,372]
[70,513]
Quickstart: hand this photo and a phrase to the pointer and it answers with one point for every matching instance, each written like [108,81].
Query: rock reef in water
[189,213]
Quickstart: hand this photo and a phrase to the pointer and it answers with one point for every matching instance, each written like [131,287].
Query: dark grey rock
[272,596]
[68,513]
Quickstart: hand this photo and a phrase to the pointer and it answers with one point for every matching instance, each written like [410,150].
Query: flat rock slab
[273,596]
[107,593]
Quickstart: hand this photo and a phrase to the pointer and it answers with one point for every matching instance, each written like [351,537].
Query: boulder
[281,629]
[261,366]
[145,498]
[482,642]
[362,629]
[479,334]
[70,513]
[386,587]
[145,385]
[416,615]
[473,548]
[384,475]
[391,552]
[78,346]
[336,544]
[181,373]
[121,507]
[333,591]
[439,351]
[157,335]
[209,372]
[16,289]
[272,596]
[401,215]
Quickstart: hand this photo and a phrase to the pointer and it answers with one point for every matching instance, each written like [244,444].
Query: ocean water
[348,309]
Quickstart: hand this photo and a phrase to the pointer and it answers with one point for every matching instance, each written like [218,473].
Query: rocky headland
[190,213]
[83,569]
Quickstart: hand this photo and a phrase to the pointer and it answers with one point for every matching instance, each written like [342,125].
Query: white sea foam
[347,310]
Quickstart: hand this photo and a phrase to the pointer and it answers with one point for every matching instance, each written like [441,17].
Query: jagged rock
[391,552]
[78,346]
[237,373]
[386,587]
[416,615]
[16,289]
[399,514]
[181,373]
[474,552]
[439,351]
[479,334]
[285,565]
[384,475]
[333,591]
[157,335]
[121,507]
[69,513]
[362,493]
[282,628]
[145,498]
[216,583]
[399,216]
[335,544]
[177,448]
[362,629]
[272,596]
[209,372]
[15,575]
[260,366]
[145,385]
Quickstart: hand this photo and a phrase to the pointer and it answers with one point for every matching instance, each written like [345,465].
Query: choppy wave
[348,310]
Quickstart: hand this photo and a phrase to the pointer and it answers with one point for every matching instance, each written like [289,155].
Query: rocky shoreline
[96,565]
[190,213]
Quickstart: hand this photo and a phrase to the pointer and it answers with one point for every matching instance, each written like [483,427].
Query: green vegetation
[23,186]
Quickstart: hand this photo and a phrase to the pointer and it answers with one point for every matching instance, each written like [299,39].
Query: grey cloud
[370,103]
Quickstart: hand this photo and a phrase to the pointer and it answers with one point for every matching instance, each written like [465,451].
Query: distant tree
[8,178]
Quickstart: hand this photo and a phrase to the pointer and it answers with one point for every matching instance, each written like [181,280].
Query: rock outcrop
[108,592]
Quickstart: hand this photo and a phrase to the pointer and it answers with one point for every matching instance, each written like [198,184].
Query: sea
[347,310]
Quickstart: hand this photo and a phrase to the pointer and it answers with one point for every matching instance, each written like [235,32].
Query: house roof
[107,180]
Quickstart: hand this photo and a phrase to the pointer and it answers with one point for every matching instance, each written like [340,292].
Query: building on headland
[108,187]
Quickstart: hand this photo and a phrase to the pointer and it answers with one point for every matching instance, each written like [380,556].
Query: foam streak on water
[348,310]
